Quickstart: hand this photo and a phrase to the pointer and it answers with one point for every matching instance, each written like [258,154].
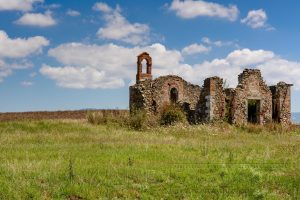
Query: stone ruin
[252,101]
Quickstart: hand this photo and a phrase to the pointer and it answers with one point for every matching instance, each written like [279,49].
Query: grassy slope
[57,160]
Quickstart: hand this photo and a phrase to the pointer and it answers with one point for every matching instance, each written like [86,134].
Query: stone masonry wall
[153,95]
[251,86]
[212,100]
[140,95]
[281,103]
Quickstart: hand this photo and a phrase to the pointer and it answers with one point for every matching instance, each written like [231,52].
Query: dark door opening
[173,95]
[253,110]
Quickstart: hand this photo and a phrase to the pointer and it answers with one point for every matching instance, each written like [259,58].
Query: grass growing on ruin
[77,160]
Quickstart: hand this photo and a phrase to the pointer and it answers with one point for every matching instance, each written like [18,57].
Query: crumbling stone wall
[212,101]
[251,86]
[281,103]
[140,95]
[152,95]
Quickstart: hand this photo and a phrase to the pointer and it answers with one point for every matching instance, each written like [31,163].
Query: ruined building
[252,101]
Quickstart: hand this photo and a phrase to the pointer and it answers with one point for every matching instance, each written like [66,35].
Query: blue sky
[61,55]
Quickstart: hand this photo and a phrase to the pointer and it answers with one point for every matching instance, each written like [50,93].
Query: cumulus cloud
[246,57]
[81,77]
[21,5]
[189,9]
[103,7]
[73,13]
[13,52]
[273,67]
[20,47]
[257,19]
[195,49]
[37,19]
[111,66]
[118,28]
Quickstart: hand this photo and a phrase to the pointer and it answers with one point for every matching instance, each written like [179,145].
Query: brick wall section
[251,86]
[140,74]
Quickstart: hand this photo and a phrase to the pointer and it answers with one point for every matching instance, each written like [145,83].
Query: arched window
[173,95]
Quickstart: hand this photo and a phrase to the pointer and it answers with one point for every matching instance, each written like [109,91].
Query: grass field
[76,160]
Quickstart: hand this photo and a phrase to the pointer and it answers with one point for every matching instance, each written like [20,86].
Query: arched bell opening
[144,61]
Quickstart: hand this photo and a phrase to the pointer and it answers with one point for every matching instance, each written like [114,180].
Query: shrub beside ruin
[172,114]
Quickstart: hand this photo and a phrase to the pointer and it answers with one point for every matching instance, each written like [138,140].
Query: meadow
[73,159]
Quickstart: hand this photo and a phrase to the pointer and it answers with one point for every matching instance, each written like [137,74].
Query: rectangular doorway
[253,110]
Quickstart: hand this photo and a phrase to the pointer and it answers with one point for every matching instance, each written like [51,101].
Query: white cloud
[20,47]
[118,28]
[257,19]
[22,5]
[73,13]
[195,49]
[13,52]
[189,9]
[84,77]
[103,7]
[111,66]
[274,68]
[37,19]
[246,57]
[279,69]
[26,83]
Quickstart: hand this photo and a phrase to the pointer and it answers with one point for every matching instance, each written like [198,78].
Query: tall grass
[77,160]
[107,117]
[138,119]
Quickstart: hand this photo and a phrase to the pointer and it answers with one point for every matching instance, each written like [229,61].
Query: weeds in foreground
[107,117]
[74,160]
[71,172]
[136,120]
[273,128]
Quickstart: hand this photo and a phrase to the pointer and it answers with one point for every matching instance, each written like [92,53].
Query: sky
[78,54]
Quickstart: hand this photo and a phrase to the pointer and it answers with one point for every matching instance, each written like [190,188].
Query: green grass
[69,159]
